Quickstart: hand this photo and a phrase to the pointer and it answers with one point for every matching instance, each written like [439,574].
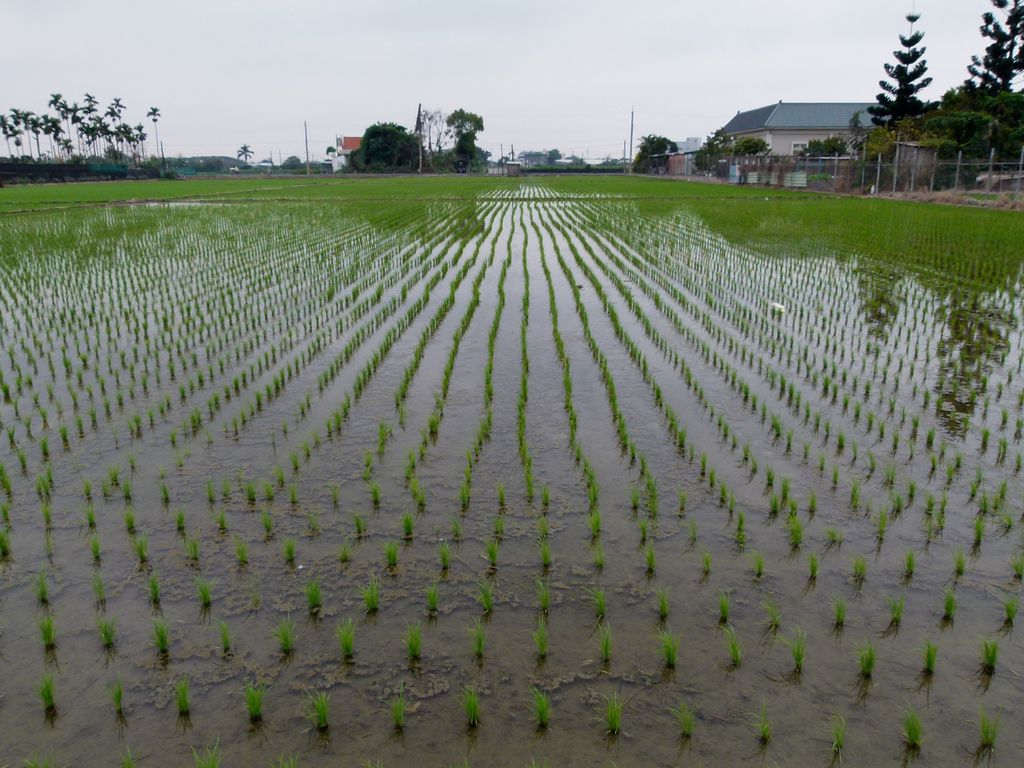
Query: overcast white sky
[560,73]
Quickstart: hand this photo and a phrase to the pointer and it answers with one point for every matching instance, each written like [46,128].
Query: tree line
[446,142]
[76,132]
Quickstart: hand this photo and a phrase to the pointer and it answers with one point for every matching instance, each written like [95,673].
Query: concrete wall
[781,141]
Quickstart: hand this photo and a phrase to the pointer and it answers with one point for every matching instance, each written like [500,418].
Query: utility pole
[419,133]
[629,157]
[305,131]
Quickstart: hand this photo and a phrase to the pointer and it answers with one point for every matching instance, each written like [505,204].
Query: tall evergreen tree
[899,99]
[1004,56]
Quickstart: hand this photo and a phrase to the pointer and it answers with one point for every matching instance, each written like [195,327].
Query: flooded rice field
[531,477]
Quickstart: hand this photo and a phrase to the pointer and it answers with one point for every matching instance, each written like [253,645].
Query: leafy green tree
[464,127]
[1004,57]
[386,147]
[553,156]
[833,145]
[749,146]
[714,146]
[650,145]
[899,98]
[292,163]
[244,153]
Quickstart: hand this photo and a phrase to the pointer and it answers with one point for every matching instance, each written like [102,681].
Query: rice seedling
[391,555]
[181,697]
[1010,607]
[407,526]
[812,568]
[444,554]
[895,611]
[117,697]
[225,637]
[432,598]
[108,633]
[723,608]
[318,710]
[866,657]
[860,569]
[371,595]
[541,707]
[837,736]
[540,638]
[949,605]
[705,564]
[485,596]
[47,694]
[288,550]
[153,589]
[605,643]
[48,632]
[912,731]
[398,707]
[662,596]
[254,693]
[346,636]
[669,648]
[764,726]
[479,638]
[543,595]
[928,657]
[471,706]
[413,642]
[42,588]
[492,553]
[798,648]
[988,728]
[597,600]
[204,591]
[989,655]
[285,634]
[908,564]
[735,649]
[613,707]
[649,559]
[209,758]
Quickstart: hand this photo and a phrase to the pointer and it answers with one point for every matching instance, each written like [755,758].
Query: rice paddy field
[505,472]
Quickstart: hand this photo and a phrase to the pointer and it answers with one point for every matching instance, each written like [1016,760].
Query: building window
[799,146]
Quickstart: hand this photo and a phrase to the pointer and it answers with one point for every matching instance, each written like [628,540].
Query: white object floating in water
[776,308]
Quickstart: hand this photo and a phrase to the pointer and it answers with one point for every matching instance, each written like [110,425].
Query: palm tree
[7,131]
[244,153]
[154,115]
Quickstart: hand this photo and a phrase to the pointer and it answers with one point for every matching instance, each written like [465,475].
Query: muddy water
[254,599]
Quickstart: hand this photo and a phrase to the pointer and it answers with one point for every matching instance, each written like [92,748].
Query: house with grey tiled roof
[787,127]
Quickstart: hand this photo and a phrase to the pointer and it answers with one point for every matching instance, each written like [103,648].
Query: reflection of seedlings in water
[541,707]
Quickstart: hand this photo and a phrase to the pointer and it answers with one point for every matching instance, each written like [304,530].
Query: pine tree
[1004,57]
[898,99]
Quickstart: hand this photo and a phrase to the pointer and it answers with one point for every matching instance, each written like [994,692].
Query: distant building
[346,146]
[789,127]
[532,158]
[690,144]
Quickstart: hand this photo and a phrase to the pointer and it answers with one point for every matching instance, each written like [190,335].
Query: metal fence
[910,171]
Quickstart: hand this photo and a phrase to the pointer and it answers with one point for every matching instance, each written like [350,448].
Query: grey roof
[799,115]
